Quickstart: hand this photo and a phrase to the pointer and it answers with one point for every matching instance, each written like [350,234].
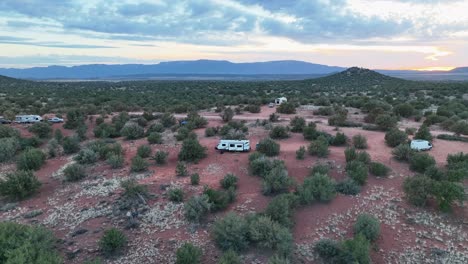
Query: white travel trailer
[233,145]
[419,145]
[280,100]
[25,119]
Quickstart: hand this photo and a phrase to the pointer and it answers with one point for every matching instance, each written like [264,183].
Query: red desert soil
[408,235]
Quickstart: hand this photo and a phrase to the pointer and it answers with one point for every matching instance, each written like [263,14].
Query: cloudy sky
[383,34]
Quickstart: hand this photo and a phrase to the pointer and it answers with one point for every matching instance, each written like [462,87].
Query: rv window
[223,145]
[232,145]
[239,146]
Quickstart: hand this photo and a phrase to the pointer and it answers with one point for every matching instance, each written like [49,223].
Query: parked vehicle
[55,120]
[4,121]
[233,145]
[280,100]
[271,105]
[420,145]
[26,119]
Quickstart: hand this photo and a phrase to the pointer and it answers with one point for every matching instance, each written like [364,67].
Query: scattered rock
[79,231]
[32,214]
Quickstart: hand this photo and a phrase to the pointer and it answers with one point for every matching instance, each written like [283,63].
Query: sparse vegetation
[113,242]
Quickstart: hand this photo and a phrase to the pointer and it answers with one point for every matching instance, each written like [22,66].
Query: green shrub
[8,148]
[188,254]
[86,156]
[168,120]
[31,159]
[192,151]
[359,141]
[320,169]
[445,193]
[27,244]
[357,171]
[184,133]
[318,187]
[41,129]
[74,172]
[196,208]
[300,153]
[419,162]
[423,133]
[210,132]
[219,199]
[452,138]
[395,137]
[278,260]
[229,181]
[227,114]
[138,164]
[266,233]
[132,131]
[279,132]
[53,148]
[273,118]
[133,190]
[75,118]
[276,181]
[328,250]
[340,139]
[309,132]
[141,121]
[155,128]
[319,147]
[155,138]
[160,157]
[113,242]
[417,189]
[368,226]
[402,152]
[181,169]
[144,151]
[253,108]
[231,232]
[105,130]
[281,209]
[350,154]
[363,157]
[348,187]
[27,143]
[378,169]
[260,166]
[8,132]
[81,132]
[116,161]
[268,147]
[404,110]
[19,185]
[385,122]
[356,250]
[286,108]
[194,179]
[297,124]
[71,145]
[176,195]
[230,257]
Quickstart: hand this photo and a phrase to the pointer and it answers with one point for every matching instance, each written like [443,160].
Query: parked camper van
[420,145]
[233,145]
[280,100]
[26,119]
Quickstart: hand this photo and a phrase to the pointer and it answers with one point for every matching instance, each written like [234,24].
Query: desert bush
[266,233]
[281,209]
[300,153]
[138,164]
[318,187]
[368,226]
[309,132]
[188,254]
[141,121]
[279,132]
[194,179]
[297,124]
[144,151]
[113,242]
[160,157]
[268,147]
[99,120]
[132,131]
[75,118]
[115,161]
[181,169]
[168,120]
[273,118]
[195,120]
[220,199]
[419,162]
[328,250]
[445,193]
[53,148]
[86,156]
[31,159]
[71,145]
[404,110]
[385,122]
[417,189]
[8,132]
[192,151]
[227,114]
[230,257]
[74,172]
[286,108]
[410,130]
[155,128]
[320,168]
[8,148]
[260,166]
[395,137]
[19,185]
[348,187]
[359,141]
[435,173]
[402,152]
[378,169]
[275,259]
[81,132]
[31,142]
[276,181]
[105,130]
[319,147]
[210,132]
[196,208]
[231,232]
[154,138]
[357,171]
[252,108]
[350,154]
[176,195]
[356,250]
[363,157]
[423,133]
[340,139]
[23,244]
[229,181]
[41,129]
[184,133]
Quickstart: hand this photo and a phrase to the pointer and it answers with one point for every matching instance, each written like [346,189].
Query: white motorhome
[233,145]
[280,100]
[25,119]
[419,145]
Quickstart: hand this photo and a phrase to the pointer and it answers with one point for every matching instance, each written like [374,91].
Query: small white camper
[26,119]
[233,145]
[280,100]
[419,145]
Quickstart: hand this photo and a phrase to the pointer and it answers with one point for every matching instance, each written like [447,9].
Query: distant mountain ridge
[174,67]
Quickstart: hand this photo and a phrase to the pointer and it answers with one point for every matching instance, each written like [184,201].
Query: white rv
[26,119]
[419,145]
[280,100]
[233,145]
